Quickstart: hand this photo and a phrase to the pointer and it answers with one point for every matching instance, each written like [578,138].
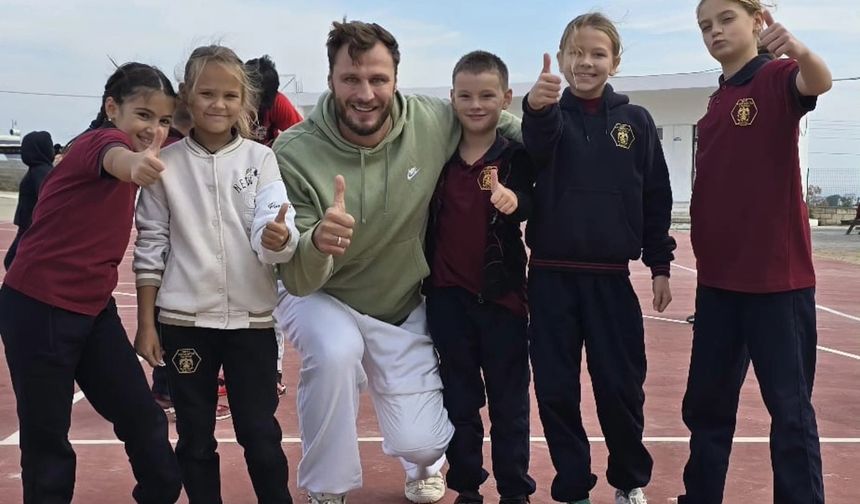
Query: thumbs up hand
[779,40]
[547,89]
[334,232]
[501,197]
[146,167]
[276,234]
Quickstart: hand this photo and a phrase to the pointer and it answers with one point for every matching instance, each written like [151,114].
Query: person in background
[38,153]
[275,112]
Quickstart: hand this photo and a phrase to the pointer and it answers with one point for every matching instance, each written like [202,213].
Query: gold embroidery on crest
[744,112]
[622,135]
[485,181]
[186,360]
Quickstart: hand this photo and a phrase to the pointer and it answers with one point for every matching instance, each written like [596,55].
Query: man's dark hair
[482,61]
[359,37]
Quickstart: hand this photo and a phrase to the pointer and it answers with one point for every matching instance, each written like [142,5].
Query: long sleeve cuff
[660,270]
[285,254]
[148,278]
[308,270]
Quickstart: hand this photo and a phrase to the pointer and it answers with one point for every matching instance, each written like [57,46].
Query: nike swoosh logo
[410,174]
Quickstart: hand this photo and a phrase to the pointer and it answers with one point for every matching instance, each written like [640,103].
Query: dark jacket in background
[37,152]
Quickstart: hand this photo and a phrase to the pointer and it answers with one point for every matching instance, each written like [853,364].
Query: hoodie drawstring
[606,115]
[581,114]
[387,165]
[361,206]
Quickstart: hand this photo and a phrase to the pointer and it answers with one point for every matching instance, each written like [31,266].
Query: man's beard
[357,128]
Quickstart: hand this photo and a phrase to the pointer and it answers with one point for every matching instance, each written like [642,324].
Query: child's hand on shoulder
[547,89]
[146,168]
[276,235]
[779,41]
[502,198]
[662,293]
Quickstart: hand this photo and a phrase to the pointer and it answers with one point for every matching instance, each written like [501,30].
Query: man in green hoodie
[360,172]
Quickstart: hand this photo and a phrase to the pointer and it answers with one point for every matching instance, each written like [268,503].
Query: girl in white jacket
[208,234]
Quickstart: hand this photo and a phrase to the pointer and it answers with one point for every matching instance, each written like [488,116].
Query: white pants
[342,353]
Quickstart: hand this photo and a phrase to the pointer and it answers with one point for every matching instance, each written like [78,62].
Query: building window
[660,134]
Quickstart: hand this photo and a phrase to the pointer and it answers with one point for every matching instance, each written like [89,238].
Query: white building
[676,101]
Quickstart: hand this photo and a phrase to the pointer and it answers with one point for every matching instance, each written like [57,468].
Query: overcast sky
[64,47]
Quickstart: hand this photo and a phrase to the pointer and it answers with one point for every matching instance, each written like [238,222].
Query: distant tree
[813,196]
[847,200]
[833,200]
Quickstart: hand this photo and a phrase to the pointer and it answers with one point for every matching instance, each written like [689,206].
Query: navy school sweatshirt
[602,193]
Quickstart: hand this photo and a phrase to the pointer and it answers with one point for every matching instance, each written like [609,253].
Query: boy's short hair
[482,61]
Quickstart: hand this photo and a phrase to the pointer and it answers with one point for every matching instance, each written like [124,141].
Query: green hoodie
[388,191]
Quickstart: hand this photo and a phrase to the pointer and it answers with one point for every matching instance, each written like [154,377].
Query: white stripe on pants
[342,352]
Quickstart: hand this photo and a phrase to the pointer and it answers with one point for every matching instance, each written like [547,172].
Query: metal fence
[833,187]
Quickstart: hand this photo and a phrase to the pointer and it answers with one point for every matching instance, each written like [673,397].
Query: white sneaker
[427,490]
[326,498]
[635,496]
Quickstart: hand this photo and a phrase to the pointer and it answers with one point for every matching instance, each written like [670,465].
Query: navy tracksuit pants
[777,332]
[194,356]
[478,338]
[48,349]
[601,312]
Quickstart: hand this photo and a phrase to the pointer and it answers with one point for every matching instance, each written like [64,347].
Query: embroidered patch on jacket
[186,360]
[249,179]
[485,179]
[622,135]
[744,112]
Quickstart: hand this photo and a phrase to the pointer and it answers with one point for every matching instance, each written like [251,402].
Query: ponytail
[128,80]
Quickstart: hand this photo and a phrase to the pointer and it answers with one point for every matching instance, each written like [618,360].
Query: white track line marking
[533,439]
[676,265]
[839,352]
[75,399]
[13,439]
[664,319]
[839,313]
[818,306]
[822,348]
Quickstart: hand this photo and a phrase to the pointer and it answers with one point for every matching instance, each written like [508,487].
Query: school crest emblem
[485,180]
[744,112]
[622,135]
[186,360]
